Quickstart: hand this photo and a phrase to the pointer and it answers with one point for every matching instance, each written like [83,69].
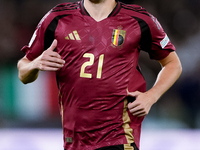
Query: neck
[99,9]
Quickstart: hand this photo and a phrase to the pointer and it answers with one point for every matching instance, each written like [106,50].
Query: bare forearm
[27,72]
[166,78]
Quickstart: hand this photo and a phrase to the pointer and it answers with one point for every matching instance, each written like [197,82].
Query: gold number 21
[90,63]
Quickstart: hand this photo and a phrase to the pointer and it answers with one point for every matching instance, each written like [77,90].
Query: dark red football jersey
[101,66]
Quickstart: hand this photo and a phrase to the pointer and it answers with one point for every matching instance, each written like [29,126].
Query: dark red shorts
[120,147]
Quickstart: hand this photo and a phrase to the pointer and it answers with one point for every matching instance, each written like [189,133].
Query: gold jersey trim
[127,129]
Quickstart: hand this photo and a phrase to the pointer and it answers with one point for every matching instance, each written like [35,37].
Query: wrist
[154,95]
[34,66]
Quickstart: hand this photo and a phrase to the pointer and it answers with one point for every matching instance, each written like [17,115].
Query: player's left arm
[170,72]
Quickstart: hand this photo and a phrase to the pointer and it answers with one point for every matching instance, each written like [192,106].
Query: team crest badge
[118,37]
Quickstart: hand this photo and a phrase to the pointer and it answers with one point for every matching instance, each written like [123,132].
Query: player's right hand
[49,60]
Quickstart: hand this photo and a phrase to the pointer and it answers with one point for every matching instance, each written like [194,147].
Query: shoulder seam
[138,9]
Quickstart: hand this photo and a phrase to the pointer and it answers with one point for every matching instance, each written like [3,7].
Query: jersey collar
[113,13]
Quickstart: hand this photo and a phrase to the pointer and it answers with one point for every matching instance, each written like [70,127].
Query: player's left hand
[142,104]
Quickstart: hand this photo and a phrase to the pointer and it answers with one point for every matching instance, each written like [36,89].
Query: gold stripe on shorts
[128,147]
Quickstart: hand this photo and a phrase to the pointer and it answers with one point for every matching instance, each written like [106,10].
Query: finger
[54,64]
[138,112]
[52,57]
[133,107]
[133,94]
[50,66]
[56,60]
[53,45]
[54,54]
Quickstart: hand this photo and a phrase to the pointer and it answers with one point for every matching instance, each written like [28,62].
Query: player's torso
[97,54]
[100,60]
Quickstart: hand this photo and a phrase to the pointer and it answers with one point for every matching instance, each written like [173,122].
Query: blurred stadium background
[29,114]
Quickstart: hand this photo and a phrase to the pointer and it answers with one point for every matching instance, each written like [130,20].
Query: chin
[96,1]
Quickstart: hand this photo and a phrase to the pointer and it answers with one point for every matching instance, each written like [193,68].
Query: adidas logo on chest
[73,36]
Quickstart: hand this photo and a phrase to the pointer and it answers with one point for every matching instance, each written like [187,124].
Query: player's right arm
[47,61]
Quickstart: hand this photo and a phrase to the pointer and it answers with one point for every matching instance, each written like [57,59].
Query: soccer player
[93,45]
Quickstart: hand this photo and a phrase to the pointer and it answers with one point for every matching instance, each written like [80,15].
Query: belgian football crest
[118,37]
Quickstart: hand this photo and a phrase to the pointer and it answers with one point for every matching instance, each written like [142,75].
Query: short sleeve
[155,41]
[36,44]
